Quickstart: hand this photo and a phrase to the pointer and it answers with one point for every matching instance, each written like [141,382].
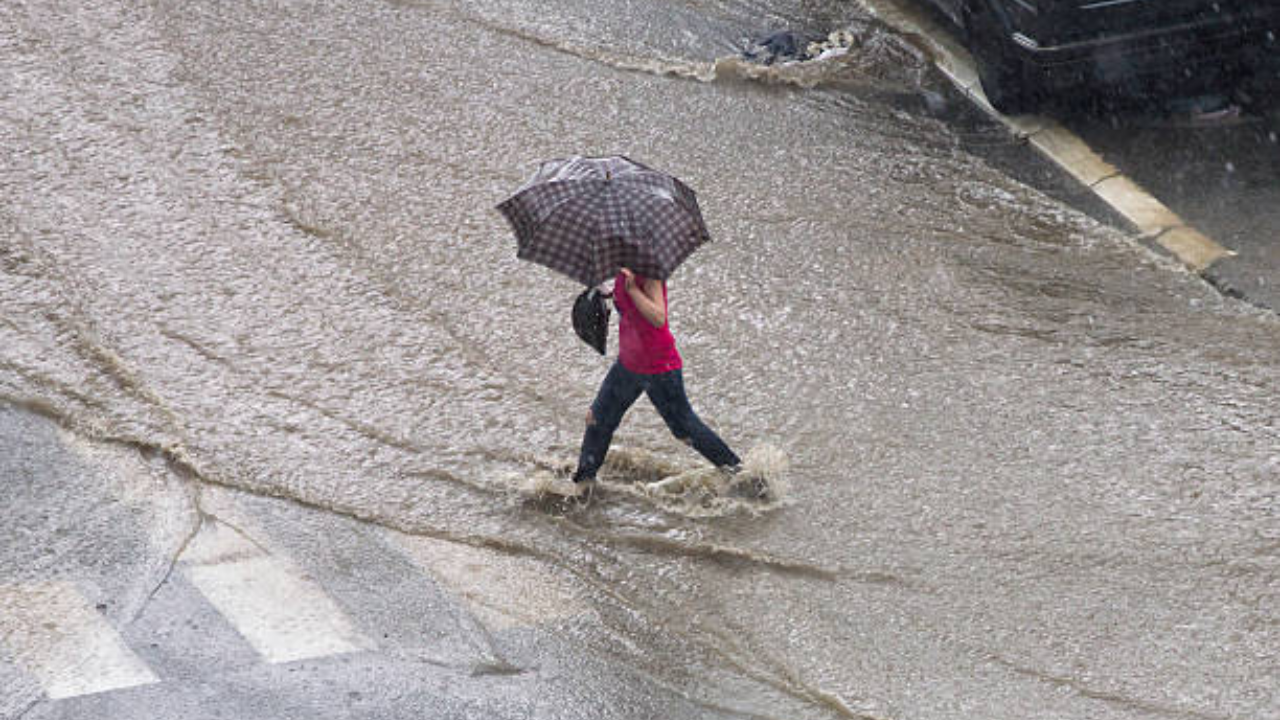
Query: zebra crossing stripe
[280,611]
[65,643]
[502,591]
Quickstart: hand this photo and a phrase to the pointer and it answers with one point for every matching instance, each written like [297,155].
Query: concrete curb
[1153,221]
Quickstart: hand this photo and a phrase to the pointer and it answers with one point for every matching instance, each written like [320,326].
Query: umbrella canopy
[588,217]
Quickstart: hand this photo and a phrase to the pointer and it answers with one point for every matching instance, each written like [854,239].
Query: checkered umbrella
[588,217]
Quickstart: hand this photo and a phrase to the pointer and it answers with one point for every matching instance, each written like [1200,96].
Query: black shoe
[585,488]
[752,487]
[586,491]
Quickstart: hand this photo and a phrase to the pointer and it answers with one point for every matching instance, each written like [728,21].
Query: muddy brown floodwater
[1034,467]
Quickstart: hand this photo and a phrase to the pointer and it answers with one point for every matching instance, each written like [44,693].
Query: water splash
[696,491]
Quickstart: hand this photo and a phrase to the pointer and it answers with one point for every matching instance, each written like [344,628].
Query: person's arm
[647,298]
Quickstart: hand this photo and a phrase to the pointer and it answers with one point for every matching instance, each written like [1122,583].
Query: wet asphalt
[98,523]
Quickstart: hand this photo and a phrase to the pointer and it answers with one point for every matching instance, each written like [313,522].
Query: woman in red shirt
[647,363]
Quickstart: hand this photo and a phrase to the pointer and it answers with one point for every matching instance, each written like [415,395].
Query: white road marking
[501,590]
[218,542]
[280,611]
[66,644]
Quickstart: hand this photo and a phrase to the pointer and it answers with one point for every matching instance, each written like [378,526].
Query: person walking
[647,363]
[592,217]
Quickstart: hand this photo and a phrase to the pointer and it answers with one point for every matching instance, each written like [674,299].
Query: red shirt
[643,348]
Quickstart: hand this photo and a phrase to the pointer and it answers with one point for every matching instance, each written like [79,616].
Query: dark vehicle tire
[1004,77]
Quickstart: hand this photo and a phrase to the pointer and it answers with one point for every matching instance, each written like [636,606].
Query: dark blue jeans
[620,389]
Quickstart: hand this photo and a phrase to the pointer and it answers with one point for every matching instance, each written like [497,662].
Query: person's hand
[630,278]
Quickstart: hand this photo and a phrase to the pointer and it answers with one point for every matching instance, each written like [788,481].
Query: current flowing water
[1033,467]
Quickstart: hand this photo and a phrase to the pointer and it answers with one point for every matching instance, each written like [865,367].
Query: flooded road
[1034,467]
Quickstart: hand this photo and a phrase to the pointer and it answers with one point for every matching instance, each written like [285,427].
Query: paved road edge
[1151,219]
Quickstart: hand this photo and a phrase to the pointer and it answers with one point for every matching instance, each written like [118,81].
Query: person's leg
[666,392]
[619,390]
